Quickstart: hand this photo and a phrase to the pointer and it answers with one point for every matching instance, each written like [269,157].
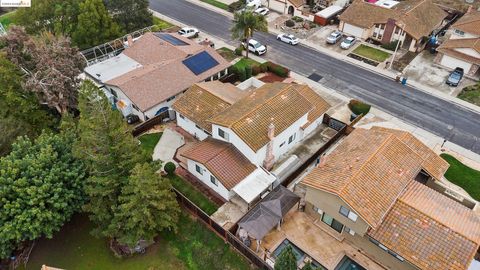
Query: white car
[189,32]
[255,47]
[290,39]
[348,43]
[334,37]
[262,11]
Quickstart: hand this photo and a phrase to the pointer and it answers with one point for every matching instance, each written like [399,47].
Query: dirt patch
[404,61]
[270,78]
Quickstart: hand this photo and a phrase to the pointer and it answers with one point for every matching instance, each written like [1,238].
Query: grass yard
[246,62]
[471,94]
[216,4]
[160,24]
[463,176]
[148,141]
[7,19]
[371,53]
[226,53]
[193,194]
[193,247]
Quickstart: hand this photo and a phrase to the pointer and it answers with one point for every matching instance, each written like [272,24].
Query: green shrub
[233,69]
[256,70]
[264,67]
[242,75]
[239,50]
[290,23]
[235,6]
[358,107]
[169,168]
[278,70]
[390,46]
[312,24]
[248,72]
[297,19]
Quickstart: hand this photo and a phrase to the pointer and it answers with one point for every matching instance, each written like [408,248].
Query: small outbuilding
[324,16]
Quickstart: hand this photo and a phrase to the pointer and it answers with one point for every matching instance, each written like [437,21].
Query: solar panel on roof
[200,62]
[171,39]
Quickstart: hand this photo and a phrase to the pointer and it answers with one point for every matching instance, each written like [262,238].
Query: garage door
[353,30]
[452,63]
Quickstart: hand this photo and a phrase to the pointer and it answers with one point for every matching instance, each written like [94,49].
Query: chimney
[269,157]
[129,40]
[470,8]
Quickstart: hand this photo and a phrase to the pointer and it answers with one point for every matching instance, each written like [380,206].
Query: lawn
[161,24]
[193,194]
[463,176]
[193,247]
[226,53]
[471,94]
[216,4]
[7,19]
[148,141]
[371,53]
[246,62]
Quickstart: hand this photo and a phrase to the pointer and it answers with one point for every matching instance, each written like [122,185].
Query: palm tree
[247,22]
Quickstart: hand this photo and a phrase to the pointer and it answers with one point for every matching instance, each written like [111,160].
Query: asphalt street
[444,118]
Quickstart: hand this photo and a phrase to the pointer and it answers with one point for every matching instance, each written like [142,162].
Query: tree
[20,113]
[246,23]
[147,206]
[42,186]
[95,26]
[52,67]
[109,151]
[286,260]
[55,16]
[308,266]
[130,15]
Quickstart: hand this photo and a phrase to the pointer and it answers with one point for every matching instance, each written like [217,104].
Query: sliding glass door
[333,223]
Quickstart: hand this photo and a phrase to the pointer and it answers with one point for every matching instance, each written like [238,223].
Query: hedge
[235,6]
[248,72]
[256,70]
[278,70]
[390,46]
[238,51]
[358,107]
[242,75]
[169,168]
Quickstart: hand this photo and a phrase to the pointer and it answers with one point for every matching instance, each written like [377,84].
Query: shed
[322,17]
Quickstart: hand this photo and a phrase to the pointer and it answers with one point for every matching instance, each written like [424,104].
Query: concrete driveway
[167,146]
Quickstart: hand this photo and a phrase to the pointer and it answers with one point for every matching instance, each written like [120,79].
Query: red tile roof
[223,160]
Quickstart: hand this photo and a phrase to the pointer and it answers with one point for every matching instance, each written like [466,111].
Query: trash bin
[404,80]
[397,78]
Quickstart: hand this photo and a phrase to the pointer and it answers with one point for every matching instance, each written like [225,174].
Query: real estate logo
[15,3]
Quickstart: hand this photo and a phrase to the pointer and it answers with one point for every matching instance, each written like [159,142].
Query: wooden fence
[142,127]
[220,231]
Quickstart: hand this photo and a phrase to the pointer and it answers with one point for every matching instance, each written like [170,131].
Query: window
[114,93]
[198,169]
[347,213]
[213,180]
[282,144]
[135,107]
[222,134]
[181,116]
[459,32]
[397,30]
[350,231]
[333,223]
[374,34]
[170,98]
[292,138]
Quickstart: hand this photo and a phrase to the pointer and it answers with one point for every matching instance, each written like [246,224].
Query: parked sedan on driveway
[455,77]
[334,37]
[262,11]
[290,39]
[348,43]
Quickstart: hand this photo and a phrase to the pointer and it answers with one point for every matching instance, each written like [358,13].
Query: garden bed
[371,53]
[471,94]
[270,78]
[7,19]
[363,59]
[193,194]
[227,54]
[463,176]
[216,3]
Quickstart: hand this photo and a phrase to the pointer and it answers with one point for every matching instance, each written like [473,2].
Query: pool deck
[300,229]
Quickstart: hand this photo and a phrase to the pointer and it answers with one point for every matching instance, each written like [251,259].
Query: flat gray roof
[112,68]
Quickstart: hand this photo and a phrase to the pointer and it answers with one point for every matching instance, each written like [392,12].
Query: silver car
[334,37]
[348,43]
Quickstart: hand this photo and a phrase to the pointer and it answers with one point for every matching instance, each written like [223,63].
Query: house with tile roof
[462,49]
[380,191]
[410,22]
[154,70]
[258,122]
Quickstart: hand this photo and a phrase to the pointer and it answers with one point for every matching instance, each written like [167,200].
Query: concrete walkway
[167,146]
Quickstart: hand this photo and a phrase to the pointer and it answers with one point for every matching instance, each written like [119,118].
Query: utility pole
[396,47]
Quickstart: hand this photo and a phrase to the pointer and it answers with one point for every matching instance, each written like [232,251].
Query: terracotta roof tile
[420,17]
[469,23]
[297,3]
[163,74]
[223,160]
[199,104]
[319,104]
[249,118]
[370,169]
[430,230]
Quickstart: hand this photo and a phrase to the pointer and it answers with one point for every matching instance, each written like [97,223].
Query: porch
[300,229]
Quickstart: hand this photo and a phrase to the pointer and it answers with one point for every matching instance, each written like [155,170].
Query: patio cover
[259,221]
[252,186]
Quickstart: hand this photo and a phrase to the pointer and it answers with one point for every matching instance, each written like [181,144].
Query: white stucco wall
[278,6]
[121,96]
[451,62]
[312,127]
[190,127]
[468,51]
[205,178]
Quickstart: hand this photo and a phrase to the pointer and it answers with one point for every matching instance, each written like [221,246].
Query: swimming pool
[348,264]
[299,254]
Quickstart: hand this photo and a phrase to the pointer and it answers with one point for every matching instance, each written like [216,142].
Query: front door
[333,223]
